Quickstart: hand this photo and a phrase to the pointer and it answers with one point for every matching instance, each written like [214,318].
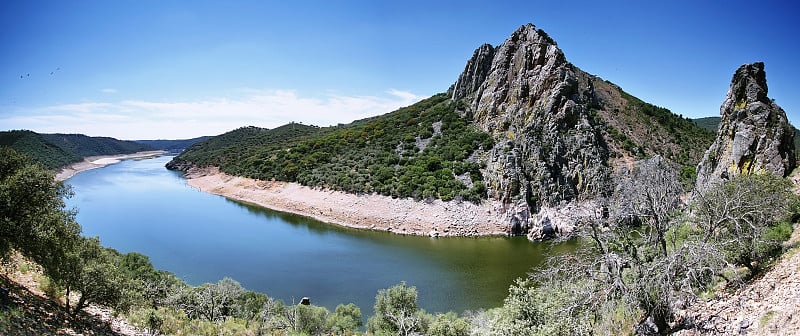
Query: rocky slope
[521,126]
[754,134]
[768,305]
[28,311]
[559,131]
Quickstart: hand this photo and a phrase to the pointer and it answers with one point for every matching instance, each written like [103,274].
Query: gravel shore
[374,212]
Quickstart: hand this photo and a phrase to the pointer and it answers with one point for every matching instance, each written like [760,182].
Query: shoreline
[370,212]
[93,162]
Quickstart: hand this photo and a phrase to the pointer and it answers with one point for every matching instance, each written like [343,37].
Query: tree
[309,319]
[747,217]
[91,271]
[345,319]
[396,312]
[449,325]
[218,300]
[273,315]
[651,195]
[33,218]
[634,267]
[248,305]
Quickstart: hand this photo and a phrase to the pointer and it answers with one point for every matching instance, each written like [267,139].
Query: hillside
[708,123]
[58,150]
[35,146]
[521,125]
[420,151]
[174,146]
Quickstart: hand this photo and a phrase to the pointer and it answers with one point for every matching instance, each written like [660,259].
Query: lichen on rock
[537,106]
[754,134]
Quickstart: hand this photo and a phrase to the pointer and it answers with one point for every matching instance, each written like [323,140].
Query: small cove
[138,205]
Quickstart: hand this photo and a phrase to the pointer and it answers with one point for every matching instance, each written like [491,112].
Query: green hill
[83,146]
[174,146]
[39,149]
[708,123]
[423,150]
[57,150]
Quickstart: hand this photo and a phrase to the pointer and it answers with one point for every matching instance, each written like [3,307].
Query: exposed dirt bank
[375,212]
[769,305]
[28,311]
[93,162]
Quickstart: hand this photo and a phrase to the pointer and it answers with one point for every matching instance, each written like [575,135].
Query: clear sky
[180,69]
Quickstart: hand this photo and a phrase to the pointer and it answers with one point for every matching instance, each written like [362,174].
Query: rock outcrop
[538,107]
[754,134]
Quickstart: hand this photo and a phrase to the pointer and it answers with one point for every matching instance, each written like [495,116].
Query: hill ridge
[59,150]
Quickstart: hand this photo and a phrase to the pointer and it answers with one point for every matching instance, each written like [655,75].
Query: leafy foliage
[421,151]
[92,271]
[33,218]
[650,257]
[449,325]
[747,217]
[174,146]
[34,221]
[396,312]
[684,137]
[345,319]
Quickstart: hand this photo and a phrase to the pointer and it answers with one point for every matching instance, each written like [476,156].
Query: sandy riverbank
[93,162]
[375,212]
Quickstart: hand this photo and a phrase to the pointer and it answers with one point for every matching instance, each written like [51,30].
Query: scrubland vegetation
[646,256]
[420,151]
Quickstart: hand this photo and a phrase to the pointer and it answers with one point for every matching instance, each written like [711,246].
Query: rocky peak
[538,108]
[754,134]
[475,72]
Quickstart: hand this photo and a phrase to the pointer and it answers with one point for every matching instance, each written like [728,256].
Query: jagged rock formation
[538,107]
[754,134]
[537,135]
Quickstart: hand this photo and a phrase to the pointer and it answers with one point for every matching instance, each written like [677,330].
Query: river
[138,205]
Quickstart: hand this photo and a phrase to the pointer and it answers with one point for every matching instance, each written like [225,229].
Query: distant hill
[83,146]
[708,123]
[712,124]
[173,146]
[237,146]
[39,149]
[58,150]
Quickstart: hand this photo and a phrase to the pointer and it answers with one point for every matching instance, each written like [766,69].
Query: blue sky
[170,69]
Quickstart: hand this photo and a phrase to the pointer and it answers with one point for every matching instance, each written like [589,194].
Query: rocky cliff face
[549,148]
[754,134]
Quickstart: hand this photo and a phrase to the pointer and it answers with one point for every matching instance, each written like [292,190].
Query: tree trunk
[81,303]
[660,320]
[67,300]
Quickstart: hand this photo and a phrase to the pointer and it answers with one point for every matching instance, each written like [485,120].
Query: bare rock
[754,134]
[538,107]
